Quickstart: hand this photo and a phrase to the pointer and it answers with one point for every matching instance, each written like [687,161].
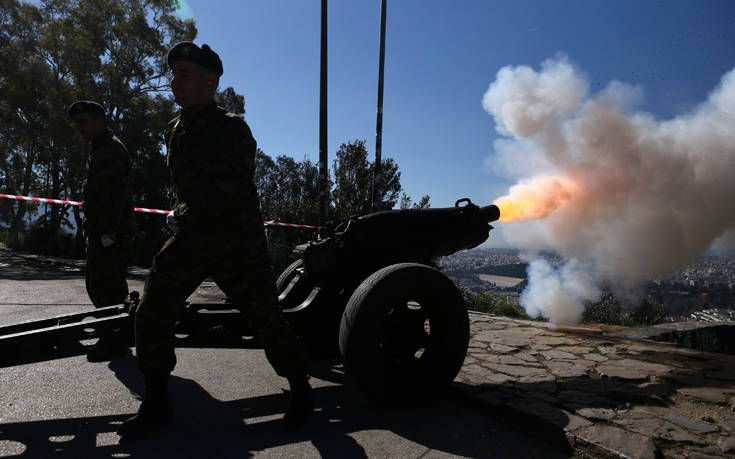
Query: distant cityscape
[704,290]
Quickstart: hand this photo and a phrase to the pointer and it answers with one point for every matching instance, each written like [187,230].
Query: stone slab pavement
[611,396]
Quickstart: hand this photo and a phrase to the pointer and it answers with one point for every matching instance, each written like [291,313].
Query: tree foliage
[289,192]
[353,179]
[231,101]
[485,302]
[605,311]
[608,310]
[289,189]
[407,202]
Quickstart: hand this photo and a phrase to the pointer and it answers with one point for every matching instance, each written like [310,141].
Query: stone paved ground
[611,396]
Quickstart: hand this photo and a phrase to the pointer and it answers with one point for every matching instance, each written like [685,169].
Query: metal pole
[323,166]
[377,196]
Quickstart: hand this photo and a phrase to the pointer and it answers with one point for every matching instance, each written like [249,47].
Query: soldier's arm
[229,179]
[233,175]
[167,135]
[113,175]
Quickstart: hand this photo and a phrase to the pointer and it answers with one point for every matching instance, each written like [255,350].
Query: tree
[648,312]
[605,311]
[231,101]
[407,202]
[265,172]
[288,189]
[288,193]
[22,113]
[484,302]
[352,180]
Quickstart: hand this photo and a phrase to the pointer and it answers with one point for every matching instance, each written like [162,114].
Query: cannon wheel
[404,332]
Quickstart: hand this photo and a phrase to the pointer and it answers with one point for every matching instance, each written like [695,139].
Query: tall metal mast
[323,165]
[377,196]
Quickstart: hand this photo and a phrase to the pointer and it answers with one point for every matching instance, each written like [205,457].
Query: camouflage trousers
[106,270]
[241,267]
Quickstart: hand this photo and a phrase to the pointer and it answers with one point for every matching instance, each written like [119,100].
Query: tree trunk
[16,225]
[54,222]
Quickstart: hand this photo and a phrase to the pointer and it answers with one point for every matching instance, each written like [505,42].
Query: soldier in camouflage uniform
[218,233]
[109,223]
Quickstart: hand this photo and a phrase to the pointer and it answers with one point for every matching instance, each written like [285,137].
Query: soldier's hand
[171,222]
[106,240]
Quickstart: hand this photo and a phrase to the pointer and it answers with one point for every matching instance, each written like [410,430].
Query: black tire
[404,332]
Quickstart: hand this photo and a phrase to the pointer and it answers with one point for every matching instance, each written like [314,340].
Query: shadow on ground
[206,427]
[18,266]
[525,420]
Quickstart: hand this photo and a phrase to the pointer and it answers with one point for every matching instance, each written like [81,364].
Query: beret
[85,106]
[204,56]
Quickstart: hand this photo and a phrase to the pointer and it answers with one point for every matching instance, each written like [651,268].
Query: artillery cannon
[370,287]
[367,291]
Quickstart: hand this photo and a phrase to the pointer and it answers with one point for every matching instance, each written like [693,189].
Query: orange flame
[536,199]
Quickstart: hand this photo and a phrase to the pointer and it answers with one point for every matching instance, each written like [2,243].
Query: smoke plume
[620,195]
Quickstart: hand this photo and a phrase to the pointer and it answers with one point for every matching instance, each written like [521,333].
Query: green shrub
[484,302]
[648,313]
[606,311]
[609,311]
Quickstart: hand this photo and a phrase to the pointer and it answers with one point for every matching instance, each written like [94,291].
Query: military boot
[301,405]
[115,344]
[155,411]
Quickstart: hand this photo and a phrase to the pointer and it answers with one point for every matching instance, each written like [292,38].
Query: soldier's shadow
[20,272]
[207,427]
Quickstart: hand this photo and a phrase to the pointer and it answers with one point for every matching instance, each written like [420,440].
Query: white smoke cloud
[725,244]
[558,294]
[650,194]
[524,102]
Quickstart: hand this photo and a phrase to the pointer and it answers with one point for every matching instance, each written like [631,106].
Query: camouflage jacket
[211,157]
[107,193]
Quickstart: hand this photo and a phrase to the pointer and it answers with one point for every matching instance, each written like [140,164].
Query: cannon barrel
[398,236]
[491,213]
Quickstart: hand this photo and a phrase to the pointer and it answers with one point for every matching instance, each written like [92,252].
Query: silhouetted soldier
[109,223]
[219,233]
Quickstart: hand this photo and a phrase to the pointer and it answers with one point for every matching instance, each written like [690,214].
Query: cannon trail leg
[62,336]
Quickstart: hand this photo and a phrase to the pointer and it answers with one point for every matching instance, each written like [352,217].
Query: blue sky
[440,58]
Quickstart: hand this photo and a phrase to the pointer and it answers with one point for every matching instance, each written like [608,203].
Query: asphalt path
[227,402]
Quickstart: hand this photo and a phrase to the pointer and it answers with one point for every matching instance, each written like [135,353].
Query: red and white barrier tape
[137,209]
[152,211]
[32,198]
[292,225]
